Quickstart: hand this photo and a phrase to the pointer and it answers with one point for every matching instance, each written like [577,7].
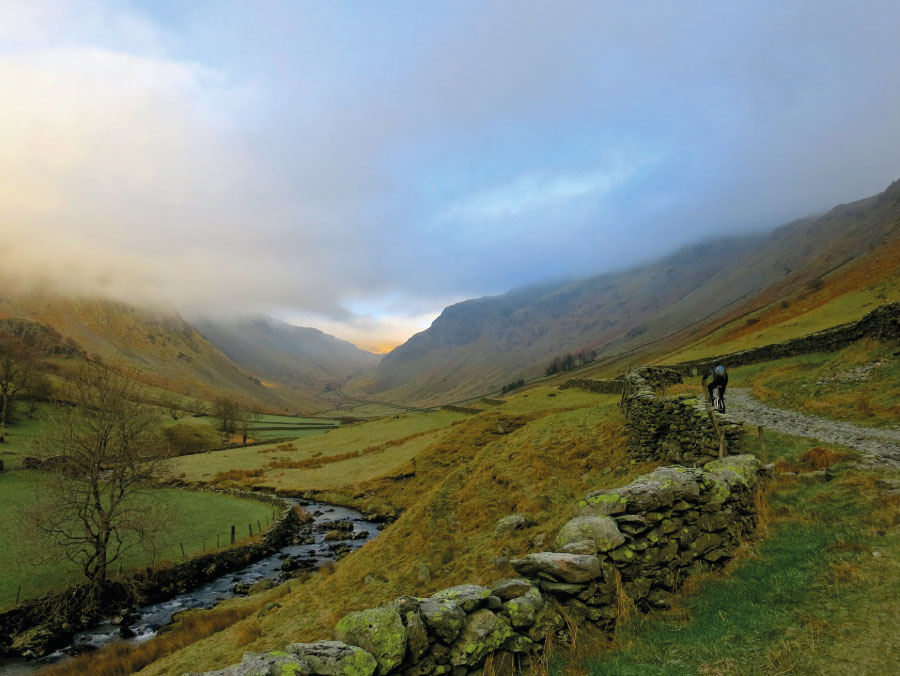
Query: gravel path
[880,447]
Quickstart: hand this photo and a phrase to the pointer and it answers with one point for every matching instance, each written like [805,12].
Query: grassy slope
[533,455]
[846,294]
[196,518]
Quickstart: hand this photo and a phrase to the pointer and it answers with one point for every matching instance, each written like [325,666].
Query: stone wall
[600,386]
[882,323]
[39,626]
[632,545]
[671,429]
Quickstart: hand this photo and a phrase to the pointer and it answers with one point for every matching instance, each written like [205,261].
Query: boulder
[379,631]
[560,566]
[443,617]
[512,589]
[522,610]
[469,597]
[510,523]
[332,658]
[484,633]
[272,663]
[602,530]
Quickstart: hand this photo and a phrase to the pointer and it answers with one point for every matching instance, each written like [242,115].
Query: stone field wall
[598,385]
[882,324]
[671,429]
[632,545]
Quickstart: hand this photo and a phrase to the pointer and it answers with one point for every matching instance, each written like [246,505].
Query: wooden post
[719,434]
[250,528]
[217,541]
[18,592]
[232,534]
[258,527]
[762,440]
[182,550]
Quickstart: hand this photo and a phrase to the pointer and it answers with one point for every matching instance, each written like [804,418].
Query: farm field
[331,443]
[194,519]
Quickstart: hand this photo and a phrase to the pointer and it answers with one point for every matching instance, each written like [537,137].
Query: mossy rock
[469,597]
[332,658]
[379,631]
[484,633]
[602,530]
[443,617]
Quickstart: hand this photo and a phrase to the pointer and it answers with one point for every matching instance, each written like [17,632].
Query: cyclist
[718,377]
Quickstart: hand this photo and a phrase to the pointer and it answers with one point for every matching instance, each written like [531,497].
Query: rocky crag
[631,545]
[672,429]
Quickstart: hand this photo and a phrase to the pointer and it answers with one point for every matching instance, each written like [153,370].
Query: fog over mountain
[359,167]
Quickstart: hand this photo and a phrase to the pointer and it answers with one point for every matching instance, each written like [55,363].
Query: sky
[357,166]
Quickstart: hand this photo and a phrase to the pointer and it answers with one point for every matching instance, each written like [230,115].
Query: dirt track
[880,447]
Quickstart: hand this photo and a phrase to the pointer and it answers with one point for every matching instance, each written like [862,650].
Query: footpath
[880,447]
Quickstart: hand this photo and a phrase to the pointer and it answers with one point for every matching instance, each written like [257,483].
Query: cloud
[361,165]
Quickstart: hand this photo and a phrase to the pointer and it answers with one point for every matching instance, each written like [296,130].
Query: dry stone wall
[882,324]
[598,385]
[671,429]
[641,541]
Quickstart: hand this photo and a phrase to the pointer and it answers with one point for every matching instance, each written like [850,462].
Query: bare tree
[106,452]
[172,404]
[244,423]
[226,410]
[16,363]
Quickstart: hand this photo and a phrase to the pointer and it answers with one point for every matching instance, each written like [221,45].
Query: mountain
[304,361]
[647,310]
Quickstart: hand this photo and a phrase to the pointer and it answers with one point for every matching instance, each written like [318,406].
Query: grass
[335,442]
[811,599]
[195,520]
[20,435]
[845,295]
[535,455]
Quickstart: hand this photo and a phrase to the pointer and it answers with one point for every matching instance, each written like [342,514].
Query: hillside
[646,311]
[301,361]
[166,350]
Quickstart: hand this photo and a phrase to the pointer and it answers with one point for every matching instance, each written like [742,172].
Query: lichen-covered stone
[602,530]
[273,663]
[564,567]
[332,658]
[484,633]
[744,468]
[582,547]
[512,522]
[443,617]
[469,597]
[522,610]
[379,631]
[511,589]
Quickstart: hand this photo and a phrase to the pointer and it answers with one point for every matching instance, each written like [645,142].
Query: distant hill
[169,353]
[304,361]
[631,315]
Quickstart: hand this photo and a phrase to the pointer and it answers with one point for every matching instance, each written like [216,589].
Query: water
[147,621]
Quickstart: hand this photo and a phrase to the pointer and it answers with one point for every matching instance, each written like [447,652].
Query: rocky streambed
[331,533]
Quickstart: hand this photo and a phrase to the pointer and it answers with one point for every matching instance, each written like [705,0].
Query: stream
[146,621]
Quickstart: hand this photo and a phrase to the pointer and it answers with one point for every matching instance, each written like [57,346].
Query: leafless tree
[244,423]
[16,363]
[106,453]
[226,410]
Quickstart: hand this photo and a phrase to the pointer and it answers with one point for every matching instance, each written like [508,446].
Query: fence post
[183,555]
[762,441]
[217,541]
[18,592]
[232,534]
[250,528]
[258,527]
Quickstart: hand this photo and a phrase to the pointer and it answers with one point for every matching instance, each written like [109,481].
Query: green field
[195,519]
[335,442]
